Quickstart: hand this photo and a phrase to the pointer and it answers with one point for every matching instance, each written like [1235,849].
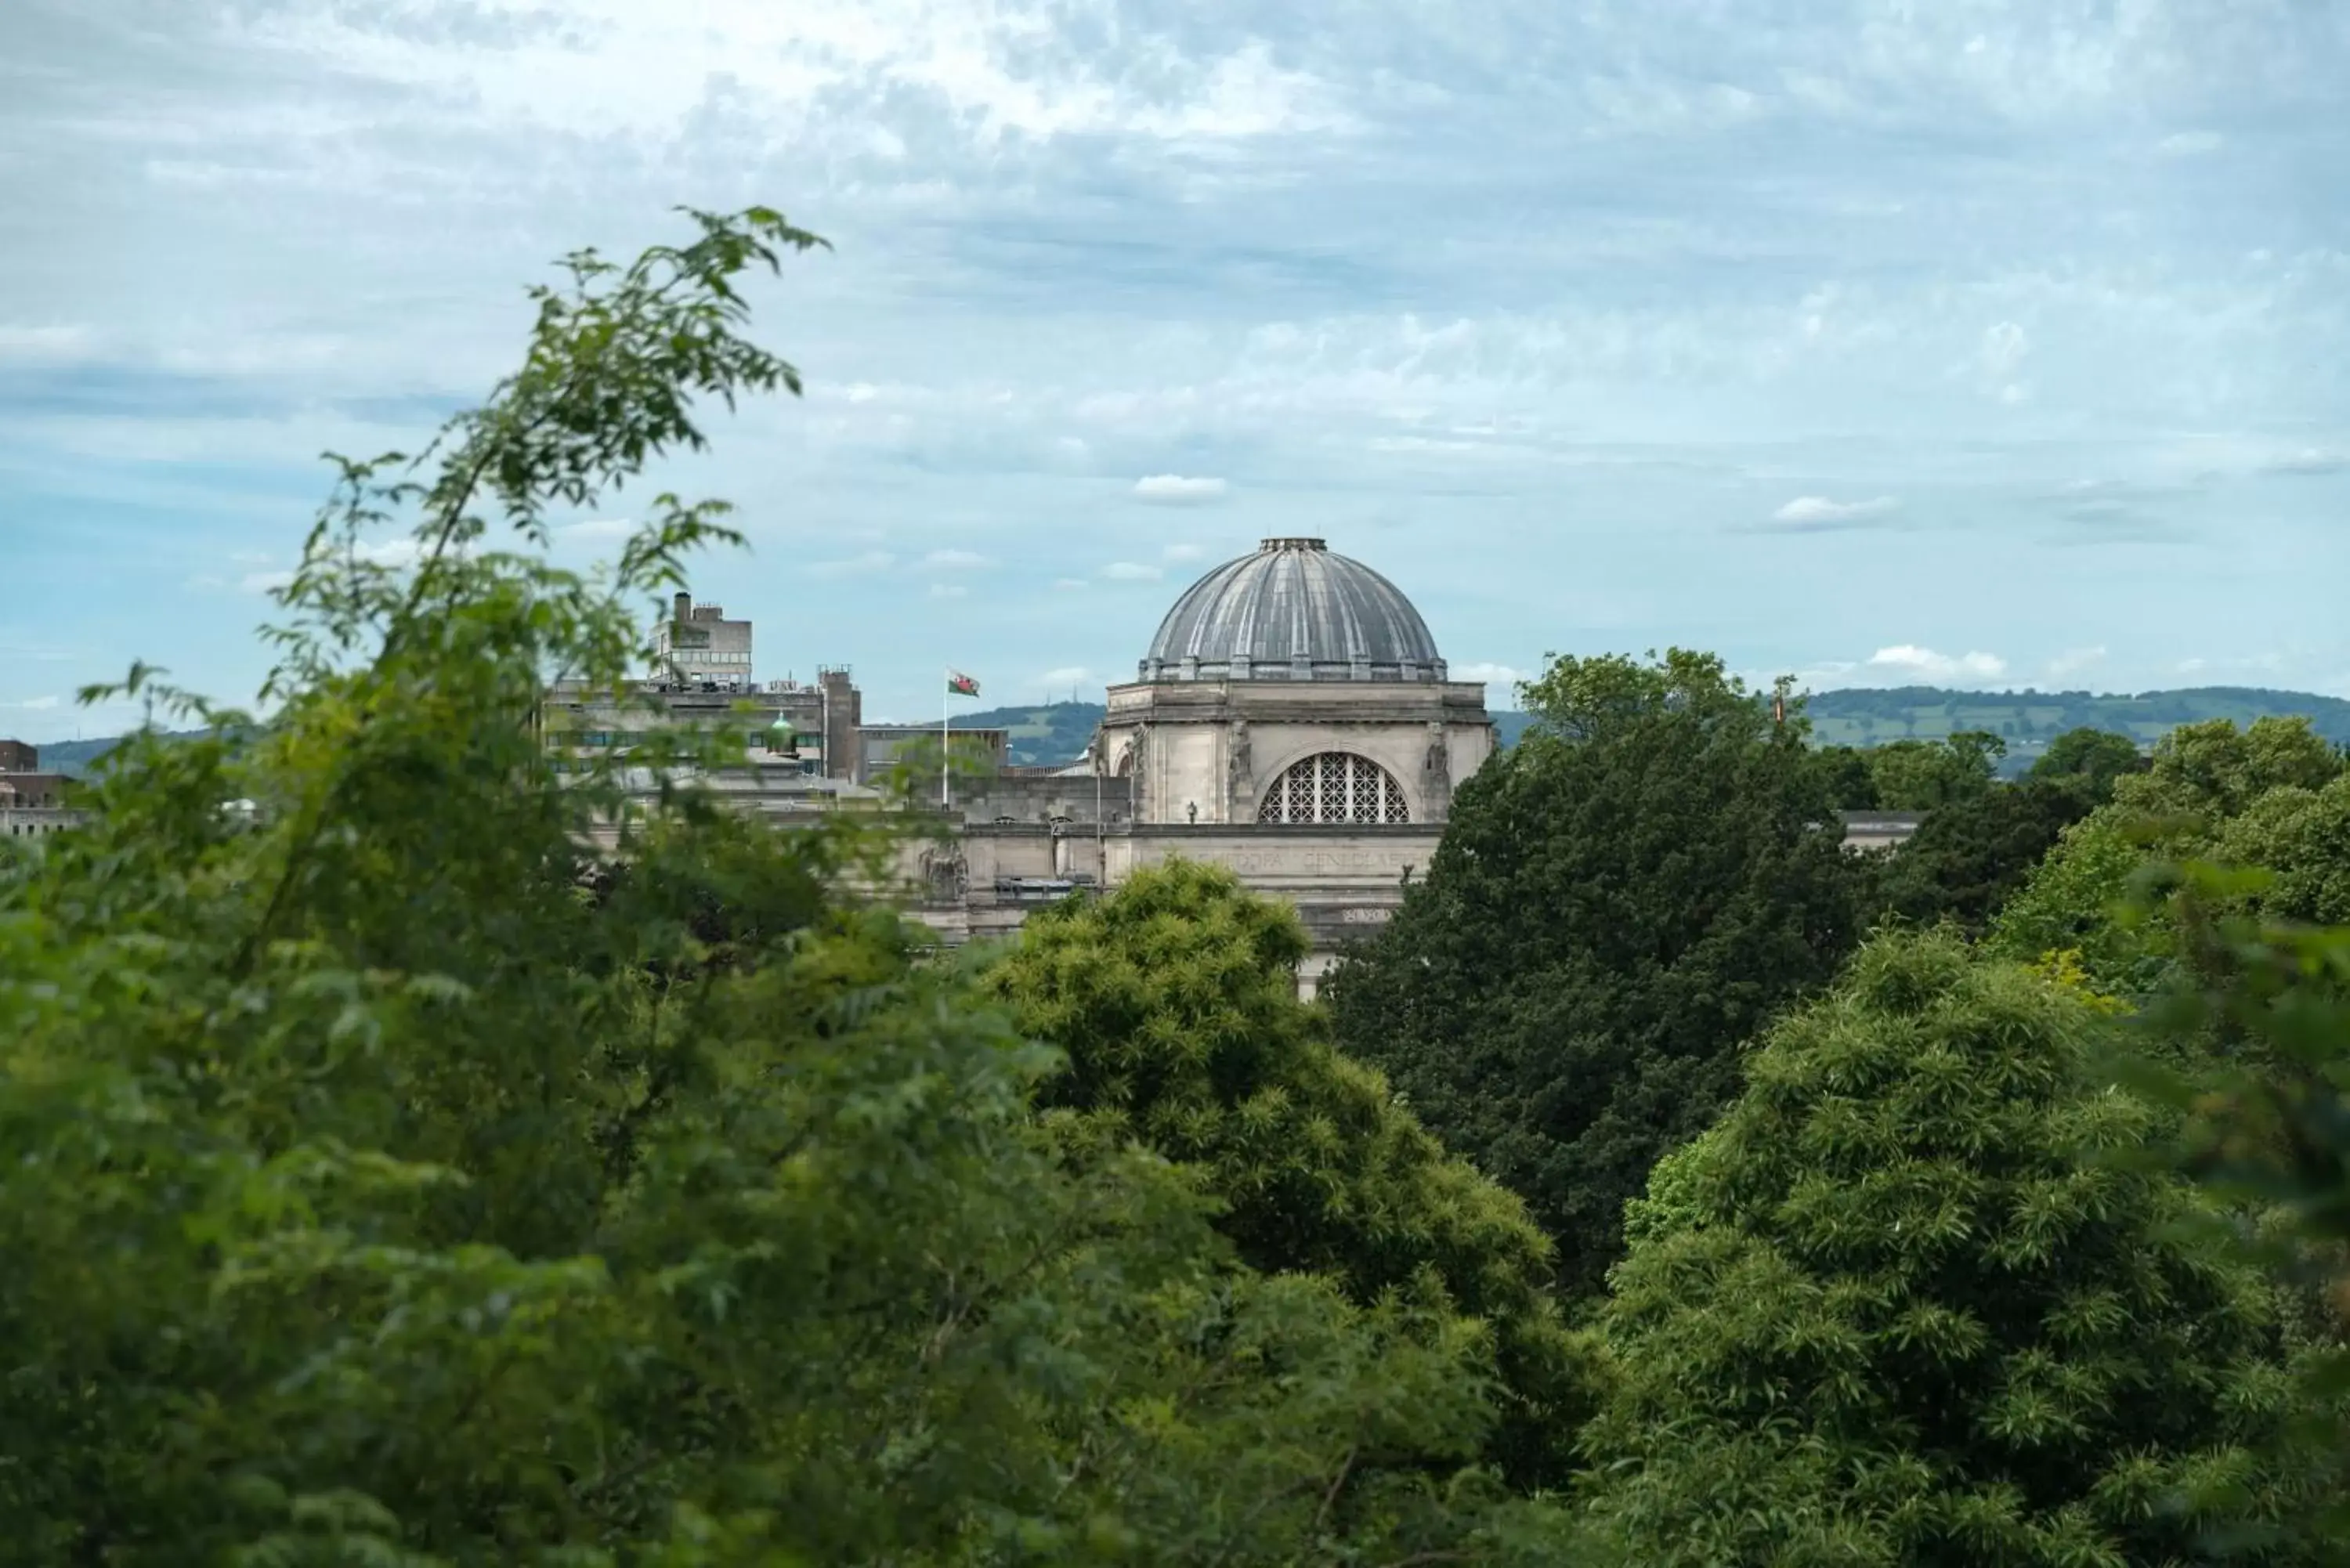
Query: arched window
[1336,786]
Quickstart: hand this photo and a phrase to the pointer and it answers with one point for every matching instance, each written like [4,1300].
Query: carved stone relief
[1239,791]
[946,876]
[1436,775]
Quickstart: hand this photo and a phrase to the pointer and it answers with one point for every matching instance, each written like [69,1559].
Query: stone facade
[698,645]
[1293,720]
[1217,752]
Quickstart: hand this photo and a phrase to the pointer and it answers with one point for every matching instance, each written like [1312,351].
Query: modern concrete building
[1875,832]
[32,802]
[699,645]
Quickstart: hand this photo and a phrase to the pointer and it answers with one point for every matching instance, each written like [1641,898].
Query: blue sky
[1979,342]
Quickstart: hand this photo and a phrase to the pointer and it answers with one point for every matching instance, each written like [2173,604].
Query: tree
[1617,904]
[1905,1304]
[1174,1001]
[1846,777]
[2202,782]
[2251,1047]
[2096,756]
[1971,853]
[1919,775]
[1968,856]
[386,1184]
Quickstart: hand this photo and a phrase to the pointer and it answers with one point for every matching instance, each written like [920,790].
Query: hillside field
[1055,733]
[2027,720]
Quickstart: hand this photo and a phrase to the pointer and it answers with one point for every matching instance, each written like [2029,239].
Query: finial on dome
[1293,545]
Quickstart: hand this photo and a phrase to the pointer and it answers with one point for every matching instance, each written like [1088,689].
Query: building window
[1336,786]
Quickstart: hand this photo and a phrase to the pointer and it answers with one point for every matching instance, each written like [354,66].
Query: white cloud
[1999,356]
[2073,660]
[1068,678]
[262,582]
[953,560]
[394,553]
[1821,512]
[1912,662]
[595,531]
[854,565]
[948,590]
[1176,490]
[814,72]
[2311,460]
[1131,572]
[1185,552]
[34,704]
[1068,585]
[2187,143]
[1504,676]
[1007,336]
[44,345]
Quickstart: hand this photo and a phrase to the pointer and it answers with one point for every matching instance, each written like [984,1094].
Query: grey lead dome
[1292,611]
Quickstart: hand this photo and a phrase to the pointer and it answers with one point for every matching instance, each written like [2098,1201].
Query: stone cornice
[1332,703]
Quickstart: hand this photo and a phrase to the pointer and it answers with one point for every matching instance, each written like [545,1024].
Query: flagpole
[946,744]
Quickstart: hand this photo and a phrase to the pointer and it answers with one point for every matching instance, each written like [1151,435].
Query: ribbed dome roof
[1292,611]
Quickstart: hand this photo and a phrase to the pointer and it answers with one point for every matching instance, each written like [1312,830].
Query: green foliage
[1847,778]
[2268,795]
[2251,1046]
[394,1177]
[1616,905]
[2029,719]
[1923,775]
[1051,735]
[1902,1305]
[1984,840]
[2095,757]
[1580,700]
[1174,1000]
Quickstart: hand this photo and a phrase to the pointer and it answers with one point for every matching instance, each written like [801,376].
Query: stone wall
[1041,795]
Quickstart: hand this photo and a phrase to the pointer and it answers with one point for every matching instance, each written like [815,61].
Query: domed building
[1293,719]
[1293,688]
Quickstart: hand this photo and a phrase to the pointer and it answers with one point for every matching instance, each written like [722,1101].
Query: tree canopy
[1978,847]
[1174,1002]
[1618,904]
[1922,775]
[1904,1304]
[397,1177]
[2268,795]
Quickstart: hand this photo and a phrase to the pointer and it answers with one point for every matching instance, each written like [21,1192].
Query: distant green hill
[1053,735]
[1056,733]
[2027,721]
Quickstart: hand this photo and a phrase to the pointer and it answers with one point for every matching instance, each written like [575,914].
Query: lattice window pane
[1335,788]
[1330,799]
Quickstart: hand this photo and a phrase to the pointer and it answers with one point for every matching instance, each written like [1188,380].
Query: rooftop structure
[698,646]
[1292,611]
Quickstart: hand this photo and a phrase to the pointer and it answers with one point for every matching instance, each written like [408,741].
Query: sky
[1991,343]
